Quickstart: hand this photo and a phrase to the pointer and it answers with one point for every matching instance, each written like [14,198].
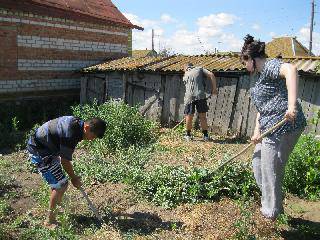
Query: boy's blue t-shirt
[58,137]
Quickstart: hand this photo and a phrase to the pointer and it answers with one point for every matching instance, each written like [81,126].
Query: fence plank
[137,93]
[180,102]
[245,109]
[316,106]
[83,92]
[309,107]
[231,86]
[218,105]
[240,98]
[212,105]
[153,82]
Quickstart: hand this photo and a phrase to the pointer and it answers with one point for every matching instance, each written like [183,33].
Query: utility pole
[311,27]
[152,39]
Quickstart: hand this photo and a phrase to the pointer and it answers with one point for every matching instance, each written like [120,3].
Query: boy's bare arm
[213,81]
[67,166]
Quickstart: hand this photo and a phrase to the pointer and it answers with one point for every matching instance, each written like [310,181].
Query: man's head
[94,128]
[188,66]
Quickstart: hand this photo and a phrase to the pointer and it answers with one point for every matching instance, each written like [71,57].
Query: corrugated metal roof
[99,10]
[216,63]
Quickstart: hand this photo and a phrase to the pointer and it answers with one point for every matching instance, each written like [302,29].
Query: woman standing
[275,97]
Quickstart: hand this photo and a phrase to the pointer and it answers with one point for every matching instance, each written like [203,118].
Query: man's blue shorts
[51,171]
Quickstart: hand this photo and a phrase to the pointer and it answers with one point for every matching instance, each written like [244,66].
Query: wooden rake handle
[276,126]
[90,204]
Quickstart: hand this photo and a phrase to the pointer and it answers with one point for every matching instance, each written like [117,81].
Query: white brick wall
[67,44]
[65,24]
[11,86]
[53,65]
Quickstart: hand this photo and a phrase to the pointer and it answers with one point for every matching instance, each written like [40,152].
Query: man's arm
[67,166]
[211,76]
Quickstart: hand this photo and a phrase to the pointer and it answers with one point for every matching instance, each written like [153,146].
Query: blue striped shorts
[51,172]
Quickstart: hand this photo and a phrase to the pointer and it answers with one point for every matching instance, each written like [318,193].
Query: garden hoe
[91,206]
[276,126]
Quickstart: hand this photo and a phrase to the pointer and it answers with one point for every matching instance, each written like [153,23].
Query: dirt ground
[126,214]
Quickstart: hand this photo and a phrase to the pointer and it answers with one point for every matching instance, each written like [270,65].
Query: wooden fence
[161,98]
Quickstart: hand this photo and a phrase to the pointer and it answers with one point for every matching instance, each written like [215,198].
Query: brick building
[43,43]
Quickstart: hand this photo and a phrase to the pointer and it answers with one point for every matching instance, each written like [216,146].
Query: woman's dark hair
[97,126]
[252,48]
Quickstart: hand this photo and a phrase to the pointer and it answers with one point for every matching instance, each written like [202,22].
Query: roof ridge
[87,10]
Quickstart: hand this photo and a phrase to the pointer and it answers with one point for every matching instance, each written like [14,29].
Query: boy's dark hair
[252,48]
[97,126]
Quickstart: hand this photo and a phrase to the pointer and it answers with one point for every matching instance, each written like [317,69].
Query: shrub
[302,176]
[125,126]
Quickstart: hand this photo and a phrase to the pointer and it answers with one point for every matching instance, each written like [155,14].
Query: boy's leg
[55,199]
[189,113]
[55,177]
[189,119]
[202,109]
[203,122]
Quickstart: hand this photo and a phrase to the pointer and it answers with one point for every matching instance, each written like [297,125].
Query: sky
[204,26]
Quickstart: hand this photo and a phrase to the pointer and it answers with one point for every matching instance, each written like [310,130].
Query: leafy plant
[244,224]
[125,126]
[315,120]
[171,185]
[4,208]
[302,176]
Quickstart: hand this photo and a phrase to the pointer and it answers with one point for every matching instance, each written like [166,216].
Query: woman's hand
[76,181]
[291,114]
[256,138]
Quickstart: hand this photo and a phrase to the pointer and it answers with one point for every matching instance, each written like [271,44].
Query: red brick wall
[41,53]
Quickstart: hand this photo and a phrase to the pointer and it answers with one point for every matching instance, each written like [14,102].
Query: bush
[302,176]
[125,126]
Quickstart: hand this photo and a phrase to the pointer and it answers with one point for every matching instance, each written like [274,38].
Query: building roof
[94,10]
[215,63]
[143,53]
[286,46]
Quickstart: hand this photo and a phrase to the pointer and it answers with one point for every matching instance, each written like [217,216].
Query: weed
[245,223]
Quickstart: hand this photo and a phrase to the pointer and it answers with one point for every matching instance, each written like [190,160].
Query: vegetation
[125,126]
[131,139]
[302,175]
[125,155]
